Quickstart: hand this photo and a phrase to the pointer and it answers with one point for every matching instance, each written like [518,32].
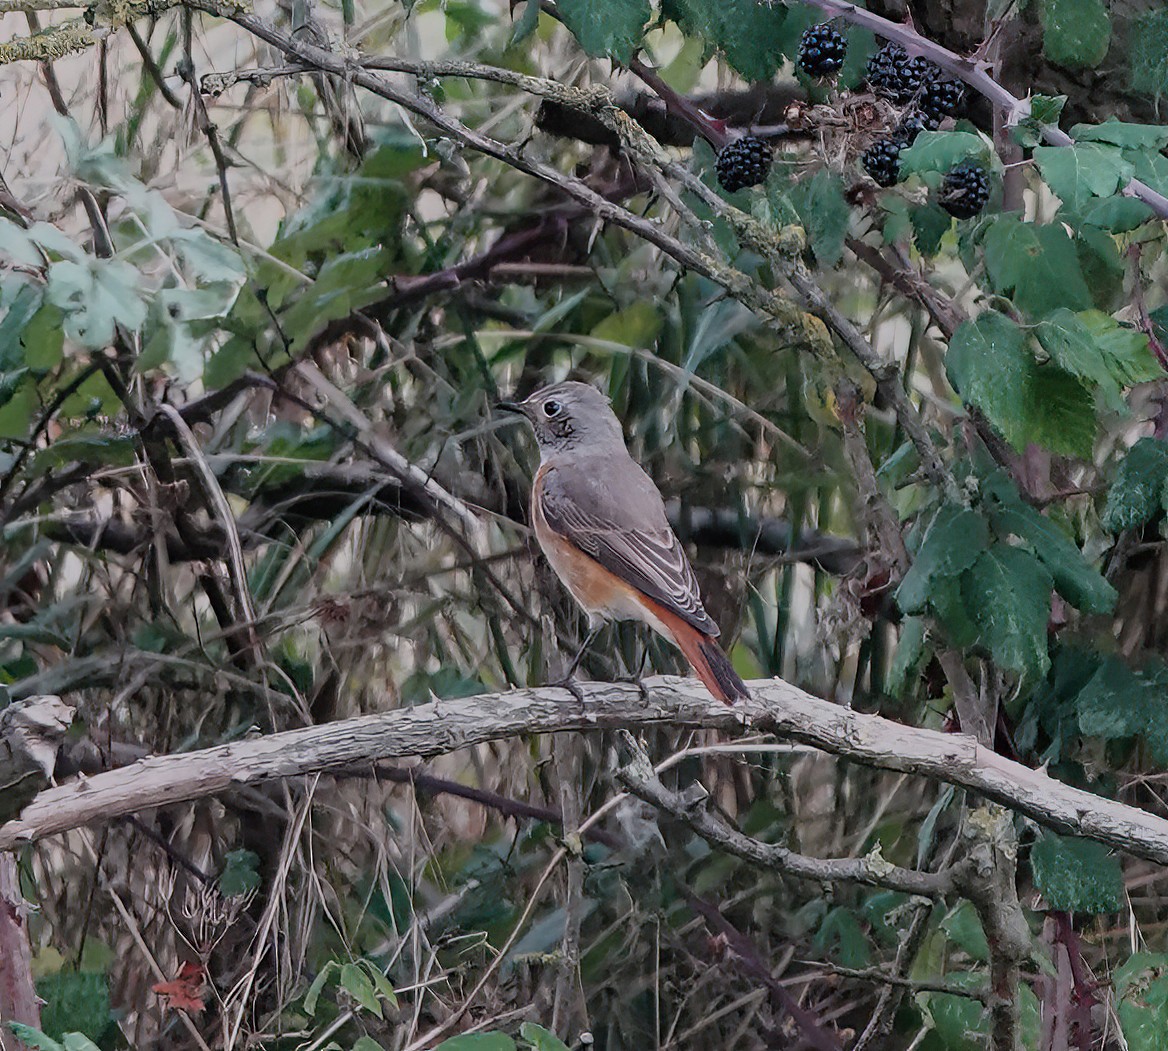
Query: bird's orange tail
[705,656]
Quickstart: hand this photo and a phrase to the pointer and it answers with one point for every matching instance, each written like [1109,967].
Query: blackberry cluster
[743,162]
[881,160]
[822,50]
[912,125]
[894,76]
[942,97]
[965,190]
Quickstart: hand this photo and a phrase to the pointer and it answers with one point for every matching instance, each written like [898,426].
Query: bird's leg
[567,681]
[637,679]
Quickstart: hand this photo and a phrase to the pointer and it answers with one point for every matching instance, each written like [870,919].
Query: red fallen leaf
[184,992]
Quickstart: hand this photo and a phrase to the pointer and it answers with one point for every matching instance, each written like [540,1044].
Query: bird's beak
[511,406]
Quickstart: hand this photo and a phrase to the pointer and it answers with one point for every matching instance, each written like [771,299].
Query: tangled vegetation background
[263,275]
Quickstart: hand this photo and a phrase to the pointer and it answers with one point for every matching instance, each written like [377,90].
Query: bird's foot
[638,682]
[569,683]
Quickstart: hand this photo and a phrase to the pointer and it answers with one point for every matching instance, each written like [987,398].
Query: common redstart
[601,523]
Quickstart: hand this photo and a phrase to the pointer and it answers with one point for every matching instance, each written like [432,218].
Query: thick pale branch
[445,726]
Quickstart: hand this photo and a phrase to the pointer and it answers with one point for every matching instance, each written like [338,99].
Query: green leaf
[526,23]
[75,1002]
[33,1038]
[1141,987]
[239,874]
[1148,43]
[1118,133]
[824,214]
[43,339]
[607,28]
[749,34]
[1080,584]
[638,325]
[1117,214]
[367,1043]
[1138,491]
[930,224]
[1096,348]
[1075,33]
[938,151]
[1044,110]
[1113,703]
[990,367]
[381,983]
[907,658]
[78,1042]
[21,309]
[356,983]
[94,297]
[1082,171]
[1038,265]
[1077,875]
[964,929]
[478,1042]
[540,1039]
[955,539]
[317,987]
[1008,591]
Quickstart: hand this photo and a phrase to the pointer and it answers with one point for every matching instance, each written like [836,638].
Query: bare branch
[444,726]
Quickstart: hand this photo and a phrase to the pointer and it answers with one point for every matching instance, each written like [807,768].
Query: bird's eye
[552,408]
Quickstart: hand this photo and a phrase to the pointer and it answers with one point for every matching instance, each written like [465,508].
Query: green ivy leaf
[1077,875]
[1138,491]
[824,214]
[1075,33]
[1082,171]
[955,539]
[1008,591]
[1037,265]
[938,151]
[607,28]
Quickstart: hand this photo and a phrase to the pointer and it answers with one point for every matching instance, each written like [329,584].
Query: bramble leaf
[1077,875]
[1075,33]
[1138,491]
[1008,591]
[607,28]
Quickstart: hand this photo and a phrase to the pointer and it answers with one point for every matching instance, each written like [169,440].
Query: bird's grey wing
[613,512]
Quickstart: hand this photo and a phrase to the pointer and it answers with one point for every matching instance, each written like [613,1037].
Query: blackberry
[743,162]
[881,160]
[895,76]
[942,97]
[965,190]
[822,50]
[912,125]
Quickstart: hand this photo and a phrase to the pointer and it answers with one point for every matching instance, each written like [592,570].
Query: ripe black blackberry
[743,162]
[822,50]
[942,97]
[881,160]
[965,190]
[912,125]
[895,76]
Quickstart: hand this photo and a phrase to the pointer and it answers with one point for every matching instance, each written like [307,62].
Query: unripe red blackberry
[881,160]
[965,190]
[743,162]
[822,50]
